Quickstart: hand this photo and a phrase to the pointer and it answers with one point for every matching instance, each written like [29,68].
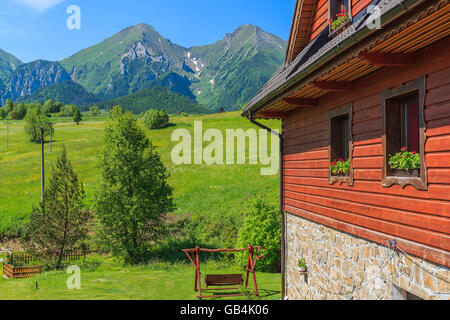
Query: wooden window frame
[421,182]
[347,110]
[350,18]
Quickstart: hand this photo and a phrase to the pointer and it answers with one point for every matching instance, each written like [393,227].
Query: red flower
[334,163]
[414,152]
[341,160]
[404,149]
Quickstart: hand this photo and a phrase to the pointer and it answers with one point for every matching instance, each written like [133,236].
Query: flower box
[407,173]
[340,22]
[405,164]
[340,168]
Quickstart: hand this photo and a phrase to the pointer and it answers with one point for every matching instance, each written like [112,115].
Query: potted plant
[301,266]
[341,18]
[340,168]
[405,163]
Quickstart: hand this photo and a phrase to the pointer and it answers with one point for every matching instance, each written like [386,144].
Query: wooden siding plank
[438,144]
[438,79]
[439,129]
[439,176]
[438,95]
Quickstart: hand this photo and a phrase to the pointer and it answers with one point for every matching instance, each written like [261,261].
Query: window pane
[413,126]
[340,138]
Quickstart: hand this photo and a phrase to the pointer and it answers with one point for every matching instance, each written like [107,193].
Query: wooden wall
[420,218]
[320,15]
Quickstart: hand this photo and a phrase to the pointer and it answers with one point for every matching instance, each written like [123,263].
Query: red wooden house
[363,81]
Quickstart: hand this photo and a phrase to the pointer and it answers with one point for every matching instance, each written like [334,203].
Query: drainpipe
[283,218]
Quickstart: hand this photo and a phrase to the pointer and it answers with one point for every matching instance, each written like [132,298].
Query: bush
[94,111]
[154,119]
[67,111]
[3,113]
[19,111]
[262,227]
[51,106]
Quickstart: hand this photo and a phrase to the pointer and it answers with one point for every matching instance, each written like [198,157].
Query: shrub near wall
[262,227]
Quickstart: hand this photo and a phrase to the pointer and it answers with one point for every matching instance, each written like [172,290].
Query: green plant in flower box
[341,18]
[340,167]
[405,160]
[301,264]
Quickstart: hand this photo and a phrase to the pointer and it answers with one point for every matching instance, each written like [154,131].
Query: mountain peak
[142,27]
[136,32]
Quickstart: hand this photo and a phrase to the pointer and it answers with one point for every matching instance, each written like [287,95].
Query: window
[339,14]
[340,146]
[340,138]
[404,136]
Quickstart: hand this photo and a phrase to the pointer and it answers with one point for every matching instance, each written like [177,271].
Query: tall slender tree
[133,196]
[77,117]
[60,222]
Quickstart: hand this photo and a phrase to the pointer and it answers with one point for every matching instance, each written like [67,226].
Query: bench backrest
[224,279]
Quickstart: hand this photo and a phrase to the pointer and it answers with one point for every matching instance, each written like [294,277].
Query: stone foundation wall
[343,266]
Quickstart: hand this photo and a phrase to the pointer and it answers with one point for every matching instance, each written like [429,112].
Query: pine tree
[133,197]
[77,118]
[60,222]
[95,111]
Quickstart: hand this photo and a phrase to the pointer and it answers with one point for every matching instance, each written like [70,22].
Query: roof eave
[344,45]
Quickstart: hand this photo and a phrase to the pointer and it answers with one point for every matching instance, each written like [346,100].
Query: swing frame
[228,280]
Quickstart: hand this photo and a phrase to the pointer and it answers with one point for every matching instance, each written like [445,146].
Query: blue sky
[36,29]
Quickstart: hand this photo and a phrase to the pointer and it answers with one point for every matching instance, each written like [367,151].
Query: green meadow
[199,190]
[214,198]
[109,281]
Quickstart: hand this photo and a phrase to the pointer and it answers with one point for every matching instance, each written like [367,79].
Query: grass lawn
[199,190]
[157,281]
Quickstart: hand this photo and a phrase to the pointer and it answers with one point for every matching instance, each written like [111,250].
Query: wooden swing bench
[224,281]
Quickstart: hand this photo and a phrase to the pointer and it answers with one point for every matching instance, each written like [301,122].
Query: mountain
[156,98]
[67,92]
[130,60]
[30,77]
[225,74]
[8,63]
[233,70]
